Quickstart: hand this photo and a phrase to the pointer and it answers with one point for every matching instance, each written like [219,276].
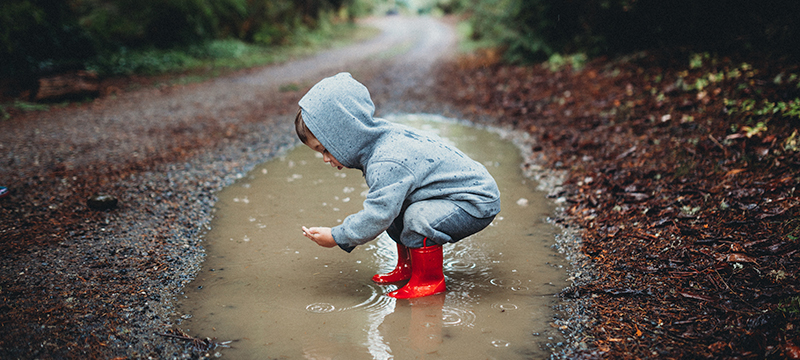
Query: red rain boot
[401,272]
[426,274]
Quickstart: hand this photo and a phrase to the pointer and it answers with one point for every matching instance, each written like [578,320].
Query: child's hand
[321,235]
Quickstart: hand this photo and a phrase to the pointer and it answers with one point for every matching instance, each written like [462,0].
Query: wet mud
[279,295]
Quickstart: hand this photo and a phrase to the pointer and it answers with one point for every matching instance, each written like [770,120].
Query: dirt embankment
[682,177]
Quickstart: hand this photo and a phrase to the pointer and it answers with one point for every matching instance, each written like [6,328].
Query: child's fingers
[310,233]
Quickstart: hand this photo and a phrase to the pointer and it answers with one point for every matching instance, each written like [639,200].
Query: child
[422,192]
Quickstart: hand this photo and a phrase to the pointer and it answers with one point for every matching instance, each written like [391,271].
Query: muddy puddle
[283,297]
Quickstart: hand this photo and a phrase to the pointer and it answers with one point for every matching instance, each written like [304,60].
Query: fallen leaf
[734,172]
[737,257]
[717,346]
[792,351]
[636,197]
[696,297]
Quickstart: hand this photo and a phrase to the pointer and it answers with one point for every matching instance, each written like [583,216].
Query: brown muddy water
[281,296]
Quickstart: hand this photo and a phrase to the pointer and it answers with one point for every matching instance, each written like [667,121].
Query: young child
[422,192]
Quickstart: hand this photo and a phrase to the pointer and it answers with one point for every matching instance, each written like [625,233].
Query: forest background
[122,37]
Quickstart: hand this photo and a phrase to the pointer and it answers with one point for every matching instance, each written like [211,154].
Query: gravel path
[81,283]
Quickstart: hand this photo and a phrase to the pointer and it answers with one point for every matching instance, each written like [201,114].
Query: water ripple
[320,308]
[511,284]
[500,343]
[452,316]
[461,265]
[505,282]
[376,301]
[504,306]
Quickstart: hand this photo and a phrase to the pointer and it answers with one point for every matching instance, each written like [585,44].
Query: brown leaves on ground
[683,173]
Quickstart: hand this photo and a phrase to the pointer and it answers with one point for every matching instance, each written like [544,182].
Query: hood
[338,110]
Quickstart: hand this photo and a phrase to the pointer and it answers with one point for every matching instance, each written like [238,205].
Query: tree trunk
[69,84]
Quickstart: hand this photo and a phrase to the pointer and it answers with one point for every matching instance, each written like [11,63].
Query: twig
[187,338]
[724,149]
[199,344]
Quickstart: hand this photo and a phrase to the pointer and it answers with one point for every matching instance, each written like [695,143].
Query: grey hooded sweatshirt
[401,165]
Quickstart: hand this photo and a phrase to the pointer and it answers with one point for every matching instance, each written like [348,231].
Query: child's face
[315,145]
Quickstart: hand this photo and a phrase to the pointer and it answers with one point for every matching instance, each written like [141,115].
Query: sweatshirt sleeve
[389,185]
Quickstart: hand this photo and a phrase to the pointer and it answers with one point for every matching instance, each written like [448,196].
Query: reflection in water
[282,296]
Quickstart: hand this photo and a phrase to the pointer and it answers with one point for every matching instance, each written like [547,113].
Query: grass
[22,106]
[198,63]
[466,43]
[493,48]
[214,58]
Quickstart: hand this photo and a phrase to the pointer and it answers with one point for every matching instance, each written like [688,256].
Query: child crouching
[422,192]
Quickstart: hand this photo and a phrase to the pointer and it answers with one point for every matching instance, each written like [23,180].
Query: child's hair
[300,127]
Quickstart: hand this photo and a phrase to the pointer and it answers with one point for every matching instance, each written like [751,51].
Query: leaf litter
[691,217]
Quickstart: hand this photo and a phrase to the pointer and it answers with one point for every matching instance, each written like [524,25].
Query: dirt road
[82,283]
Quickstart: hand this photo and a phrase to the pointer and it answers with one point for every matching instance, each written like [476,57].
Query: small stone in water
[102,202]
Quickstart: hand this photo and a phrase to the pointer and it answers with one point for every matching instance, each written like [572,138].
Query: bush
[160,23]
[218,49]
[147,62]
[39,36]
[534,30]
[128,36]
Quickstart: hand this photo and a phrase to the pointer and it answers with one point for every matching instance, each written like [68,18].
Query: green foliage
[696,60]
[749,111]
[792,143]
[148,62]
[219,49]
[790,305]
[750,108]
[534,30]
[557,62]
[161,23]
[38,36]
[213,56]
[756,130]
[131,36]
[469,43]
[20,106]
[512,24]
